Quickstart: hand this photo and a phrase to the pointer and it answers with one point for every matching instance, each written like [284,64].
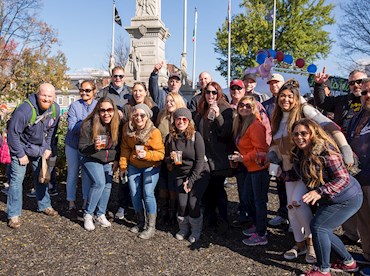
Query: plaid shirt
[336,176]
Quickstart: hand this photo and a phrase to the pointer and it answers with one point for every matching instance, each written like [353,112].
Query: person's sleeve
[17,125]
[156,151]
[193,104]
[158,95]
[73,123]
[198,166]
[321,100]
[125,150]
[52,131]
[259,144]
[224,123]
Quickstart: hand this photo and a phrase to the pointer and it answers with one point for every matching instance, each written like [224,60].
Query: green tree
[299,32]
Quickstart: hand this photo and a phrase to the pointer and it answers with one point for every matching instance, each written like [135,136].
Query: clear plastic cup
[273,169]
[101,142]
[233,164]
[138,149]
[178,157]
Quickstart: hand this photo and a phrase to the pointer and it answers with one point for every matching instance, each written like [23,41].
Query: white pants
[299,213]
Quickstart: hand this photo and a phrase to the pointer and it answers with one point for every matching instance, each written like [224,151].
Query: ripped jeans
[299,213]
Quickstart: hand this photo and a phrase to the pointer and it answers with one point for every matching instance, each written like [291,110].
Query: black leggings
[189,203]
[216,196]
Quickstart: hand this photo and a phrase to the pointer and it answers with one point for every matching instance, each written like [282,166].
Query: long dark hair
[203,105]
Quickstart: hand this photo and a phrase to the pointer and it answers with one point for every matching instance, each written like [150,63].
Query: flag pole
[273,27]
[229,43]
[184,64]
[195,47]
[111,59]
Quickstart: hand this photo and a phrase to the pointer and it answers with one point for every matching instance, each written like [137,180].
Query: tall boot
[196,225]
[140,222]
[163,211]
[184,227]
[172,212]
[150,231]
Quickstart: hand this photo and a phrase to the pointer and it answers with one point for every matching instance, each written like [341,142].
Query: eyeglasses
[109,110]
[365,92]
[247,105]
[214,92]
[118,76]
[141,115]
[87,91]
[183,119]
[300,133]
[236,88]
[359,81]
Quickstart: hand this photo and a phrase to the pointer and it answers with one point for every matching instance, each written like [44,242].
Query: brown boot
[14,222]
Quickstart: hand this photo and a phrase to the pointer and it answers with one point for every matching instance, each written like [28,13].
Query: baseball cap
[175,75]
[236,82]
[276,77]
[250,76]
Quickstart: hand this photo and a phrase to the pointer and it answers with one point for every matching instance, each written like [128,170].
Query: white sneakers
[89,223]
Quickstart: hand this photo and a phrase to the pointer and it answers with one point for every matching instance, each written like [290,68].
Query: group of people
[185,150]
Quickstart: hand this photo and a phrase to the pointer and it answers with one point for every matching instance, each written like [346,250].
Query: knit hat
[182,112]
[146,109]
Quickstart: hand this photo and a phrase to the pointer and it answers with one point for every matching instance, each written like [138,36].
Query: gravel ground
[59,246]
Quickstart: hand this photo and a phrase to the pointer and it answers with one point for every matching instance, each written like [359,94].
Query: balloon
[261,58]
[272,53]
[312,68]
[299,62]
[279,56]
[288,59]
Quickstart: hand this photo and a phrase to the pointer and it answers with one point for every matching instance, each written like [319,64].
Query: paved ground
[59,246]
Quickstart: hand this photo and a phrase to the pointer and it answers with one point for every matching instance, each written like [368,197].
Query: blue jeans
[74,159]
[256,187]
[327,218]
[17,173]
[100,176]
[142,183]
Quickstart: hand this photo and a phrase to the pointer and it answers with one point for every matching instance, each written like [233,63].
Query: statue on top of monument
[135,59]
[146,7]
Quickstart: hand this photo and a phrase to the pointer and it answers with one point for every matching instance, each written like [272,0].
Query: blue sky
[84,31]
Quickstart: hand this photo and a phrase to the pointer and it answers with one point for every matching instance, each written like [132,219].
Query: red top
[253,141]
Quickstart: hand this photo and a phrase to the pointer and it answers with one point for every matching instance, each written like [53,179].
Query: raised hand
[321,77]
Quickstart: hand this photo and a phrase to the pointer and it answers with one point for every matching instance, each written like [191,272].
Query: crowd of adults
[174,155]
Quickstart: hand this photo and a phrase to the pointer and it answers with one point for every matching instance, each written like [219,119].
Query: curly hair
[312,163]
[189,131]
[295,114]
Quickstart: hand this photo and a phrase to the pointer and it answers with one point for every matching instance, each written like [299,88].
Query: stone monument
[147,42]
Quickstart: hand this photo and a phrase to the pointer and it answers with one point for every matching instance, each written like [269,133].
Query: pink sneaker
[315,271]
[250,231]
[255,239]
[339,266]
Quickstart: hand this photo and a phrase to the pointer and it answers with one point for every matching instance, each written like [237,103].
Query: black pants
[124,197]
[189,203]
[216,197]
[283,202]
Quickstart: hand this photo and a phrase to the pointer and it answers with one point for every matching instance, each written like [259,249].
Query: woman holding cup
[142,151]
[291,107]
[214,122]
[99,145]
[250,139]
[191,175]
[167,200]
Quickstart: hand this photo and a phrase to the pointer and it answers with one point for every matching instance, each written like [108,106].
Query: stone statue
[135,59]
[146,7]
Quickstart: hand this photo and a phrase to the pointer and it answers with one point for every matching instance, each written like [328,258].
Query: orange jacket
[253,141]
[154,148]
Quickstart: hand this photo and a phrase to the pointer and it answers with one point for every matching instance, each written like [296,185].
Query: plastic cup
[178,157]
[101,142]
[273,169]
[138,149]
[261,158]
[233,164]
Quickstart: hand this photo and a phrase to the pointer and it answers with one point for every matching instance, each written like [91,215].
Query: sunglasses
[359,81]
[183,119]
[85,90]
[109,110]
[247,105]
[236,88]
[118,76]
[365,92]
[141,115]
[300,133]
[214,92]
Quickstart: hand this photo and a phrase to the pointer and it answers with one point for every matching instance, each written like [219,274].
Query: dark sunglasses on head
[359,81]
[236,88]
[118,76]
[365,92]
[185,120]
[214,92]
[85,90]
[247,105]
[141,115]
[300,133]
[109,110]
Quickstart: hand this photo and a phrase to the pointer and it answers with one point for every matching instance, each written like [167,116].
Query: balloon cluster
[280,56]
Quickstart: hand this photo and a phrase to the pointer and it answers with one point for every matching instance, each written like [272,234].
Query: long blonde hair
[241,125]
[312,163]
[295,114]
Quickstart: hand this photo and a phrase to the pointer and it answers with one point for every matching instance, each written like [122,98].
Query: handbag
[4,153]
[44,176]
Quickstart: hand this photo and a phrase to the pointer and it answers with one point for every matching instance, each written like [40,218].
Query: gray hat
[182,112]
[175,75]
[276,77]
[146,109]
[250,76]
